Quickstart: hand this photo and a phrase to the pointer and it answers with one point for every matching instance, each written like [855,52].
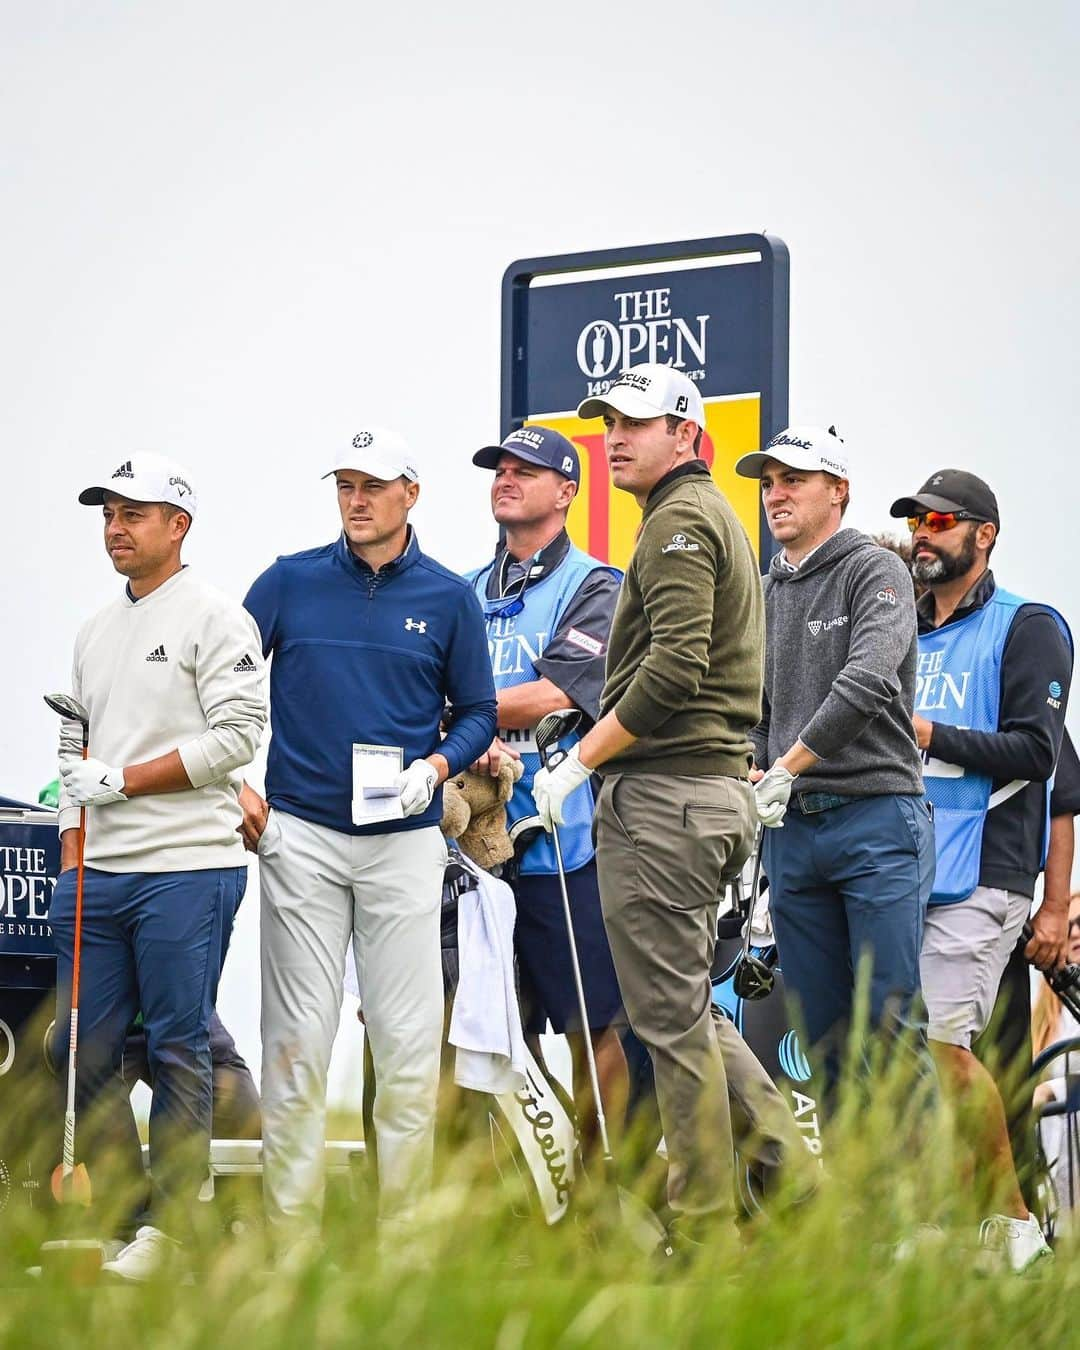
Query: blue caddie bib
[959,683]
[515,643]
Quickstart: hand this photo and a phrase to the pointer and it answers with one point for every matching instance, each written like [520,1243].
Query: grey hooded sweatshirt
[840,649]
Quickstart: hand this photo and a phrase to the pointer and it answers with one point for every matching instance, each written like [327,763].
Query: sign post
[716,309]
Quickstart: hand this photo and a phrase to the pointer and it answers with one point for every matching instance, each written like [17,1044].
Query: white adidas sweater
[180,669]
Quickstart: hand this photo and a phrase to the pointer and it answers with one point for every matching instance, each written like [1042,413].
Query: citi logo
[416,625]
[888,595]
[124,471]
[817,626]
[158,654]
[245,665]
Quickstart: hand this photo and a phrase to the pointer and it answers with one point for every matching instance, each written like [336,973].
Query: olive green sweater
[685,656]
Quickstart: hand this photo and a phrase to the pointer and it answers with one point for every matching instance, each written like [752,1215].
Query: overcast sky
[235,231]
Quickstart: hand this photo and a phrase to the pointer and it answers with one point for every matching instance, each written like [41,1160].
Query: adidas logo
[158,654]
[124,471]
[245,664]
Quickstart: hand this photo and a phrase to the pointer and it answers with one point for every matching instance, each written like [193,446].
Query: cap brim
[925,501]
[380,471]
[750,466]
[95,496]
[488,458]
[625,401]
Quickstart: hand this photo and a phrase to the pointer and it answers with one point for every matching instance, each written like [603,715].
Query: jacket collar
[673,476]
[976,598]
[405,559]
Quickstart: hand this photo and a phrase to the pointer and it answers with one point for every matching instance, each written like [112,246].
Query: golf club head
[68,707]
[553,726]
[753,978]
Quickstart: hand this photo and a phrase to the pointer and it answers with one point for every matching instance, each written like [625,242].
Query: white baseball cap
[146,477]
[649,391]
[379,452]
[809,448]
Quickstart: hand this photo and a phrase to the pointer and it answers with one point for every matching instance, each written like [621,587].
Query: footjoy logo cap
[649,391]
[535,445]
[145,477]
[377,451]
[812,449]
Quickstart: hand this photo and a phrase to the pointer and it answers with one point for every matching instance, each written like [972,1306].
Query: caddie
[548,607]
[172,677]
[993,683]
[370,640]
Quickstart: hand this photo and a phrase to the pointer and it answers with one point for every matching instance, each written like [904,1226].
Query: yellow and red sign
[604,520]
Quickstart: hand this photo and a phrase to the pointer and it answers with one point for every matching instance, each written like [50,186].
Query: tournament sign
[716,309]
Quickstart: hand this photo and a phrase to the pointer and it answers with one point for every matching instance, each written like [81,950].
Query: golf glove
[416,786]
[771,795]
[90,782]
[551,787]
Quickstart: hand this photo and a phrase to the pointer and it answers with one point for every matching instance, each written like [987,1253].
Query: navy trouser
[846,884]
[155,942]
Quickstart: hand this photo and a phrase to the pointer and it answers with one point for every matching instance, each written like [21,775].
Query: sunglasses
[504,610]
[937,522]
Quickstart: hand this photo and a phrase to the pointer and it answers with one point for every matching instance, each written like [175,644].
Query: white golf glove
[90,782]
[771,796]
[416,786]
[551,787]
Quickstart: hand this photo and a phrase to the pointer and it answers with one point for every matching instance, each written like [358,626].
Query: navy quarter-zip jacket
[370,657]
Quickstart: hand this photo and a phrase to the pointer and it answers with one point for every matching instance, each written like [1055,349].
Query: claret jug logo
[641,327]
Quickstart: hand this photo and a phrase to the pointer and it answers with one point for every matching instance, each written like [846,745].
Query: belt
[810,803]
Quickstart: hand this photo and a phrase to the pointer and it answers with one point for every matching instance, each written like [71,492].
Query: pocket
[270,837]
[612,811]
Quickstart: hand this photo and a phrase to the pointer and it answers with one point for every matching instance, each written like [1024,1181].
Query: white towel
[485,1025]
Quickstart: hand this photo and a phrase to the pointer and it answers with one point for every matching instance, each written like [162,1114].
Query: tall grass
[824,1273]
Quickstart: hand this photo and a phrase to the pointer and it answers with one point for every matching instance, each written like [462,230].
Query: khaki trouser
[665,846]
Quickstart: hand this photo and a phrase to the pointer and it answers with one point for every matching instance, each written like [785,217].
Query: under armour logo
[363,440]
[416,625]
[936,480]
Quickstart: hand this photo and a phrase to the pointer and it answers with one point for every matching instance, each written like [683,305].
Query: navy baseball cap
[535,445]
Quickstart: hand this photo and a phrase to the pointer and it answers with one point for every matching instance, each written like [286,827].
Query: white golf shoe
[1017,1243]
[141,1259]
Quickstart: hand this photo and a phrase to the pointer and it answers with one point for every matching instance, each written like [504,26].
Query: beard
[944,566]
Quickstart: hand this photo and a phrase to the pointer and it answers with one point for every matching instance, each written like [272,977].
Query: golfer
[849,848]
[548,608]
[370,639]
[172,678]
[994,676]
[675,817]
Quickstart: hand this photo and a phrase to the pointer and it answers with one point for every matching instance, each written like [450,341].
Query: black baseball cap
[951,490]
[535,445]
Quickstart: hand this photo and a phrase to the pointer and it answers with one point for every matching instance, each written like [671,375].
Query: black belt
[810,803]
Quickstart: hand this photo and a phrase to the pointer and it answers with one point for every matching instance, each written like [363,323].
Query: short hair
[673,424]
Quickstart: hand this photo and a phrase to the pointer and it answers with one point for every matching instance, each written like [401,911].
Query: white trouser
[320,888]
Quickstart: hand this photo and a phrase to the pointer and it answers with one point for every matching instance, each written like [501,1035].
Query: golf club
[1064,982]
[74,1184]
[753,977]
[647,1229]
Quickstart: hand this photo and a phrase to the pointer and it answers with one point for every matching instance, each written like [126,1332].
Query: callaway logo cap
[951,490]
[812,449]
[535,445]
[145,477]
[649,391]
[377,451]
